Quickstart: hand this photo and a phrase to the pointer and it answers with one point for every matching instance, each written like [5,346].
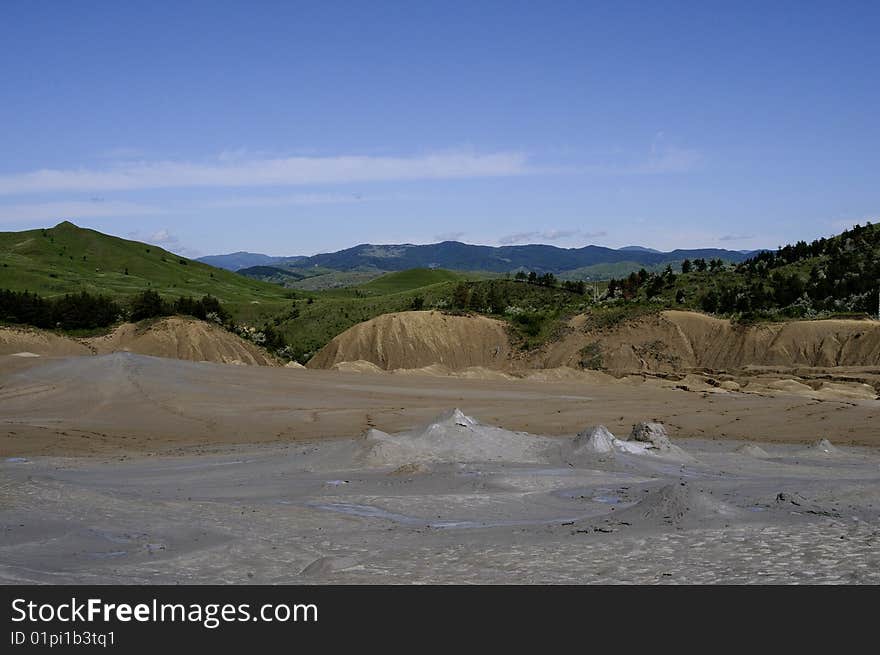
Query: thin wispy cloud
[660,159]
[547,235]
[99,207]
[736,237]
[163,238]
[166,239]
[289,171]
[670,160]
[71,210]
[449,236]
[300,199]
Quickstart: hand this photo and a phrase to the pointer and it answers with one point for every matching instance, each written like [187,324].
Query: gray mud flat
[348,511]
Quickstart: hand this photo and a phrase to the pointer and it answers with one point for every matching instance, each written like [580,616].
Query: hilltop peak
[67,258]
[639,249]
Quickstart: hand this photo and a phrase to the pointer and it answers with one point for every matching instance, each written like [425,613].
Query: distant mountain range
[236,261]
[454,255]
[639,249]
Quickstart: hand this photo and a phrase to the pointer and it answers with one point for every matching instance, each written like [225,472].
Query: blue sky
[296,128]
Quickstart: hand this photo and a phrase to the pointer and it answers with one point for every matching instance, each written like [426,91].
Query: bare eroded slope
[174,337]
[408,340]
[673,341]
[670,341]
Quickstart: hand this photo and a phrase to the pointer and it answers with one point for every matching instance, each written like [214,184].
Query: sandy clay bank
[127,403]
[670,341]
[830,359]
[174,337]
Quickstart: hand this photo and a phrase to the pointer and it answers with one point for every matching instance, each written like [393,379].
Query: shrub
[148,304]
[461,296]
[69,312]
[530,322]
[591,356]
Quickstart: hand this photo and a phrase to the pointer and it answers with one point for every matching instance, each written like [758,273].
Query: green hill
[414,278]
[601,272]
[313,278]
[316,320]
[825,277]
[272,274]
[831,276]
[534,312]
[67,259]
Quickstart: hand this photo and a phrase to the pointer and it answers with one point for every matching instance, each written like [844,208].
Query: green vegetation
[312,278]
[613,270]
[314,318]
[591,356]
[321,279]
[827,277]
[414,278]
[312,321]
[149,304]
[67,259]
[84,311]
[534,313]
[533,305]
[81,311]
[606,315]
[142,281]
[272,274]
[80,279]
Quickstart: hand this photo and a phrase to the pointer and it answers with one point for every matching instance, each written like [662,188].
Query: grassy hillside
[271,274]
[534,313]
[414,278]
[320,279]
[824,278]
[67,259]
[606,271]
[317,320]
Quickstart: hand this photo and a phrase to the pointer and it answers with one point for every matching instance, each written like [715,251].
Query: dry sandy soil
[416,339]
[672,343]
[175,337]
[126,403]
[676,341]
